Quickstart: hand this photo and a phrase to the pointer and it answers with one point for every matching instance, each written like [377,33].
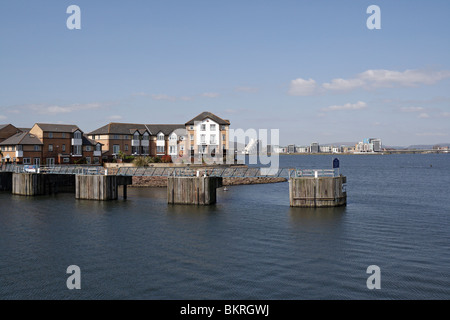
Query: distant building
[291,148]
[302,149]
[314,148]
[325,149]
[369,145]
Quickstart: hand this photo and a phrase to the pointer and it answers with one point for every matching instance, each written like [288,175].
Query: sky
[312,69]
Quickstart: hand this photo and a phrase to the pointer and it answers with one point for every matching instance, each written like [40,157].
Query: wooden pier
[192,190]
[34,184]
[100,187]
[315,192]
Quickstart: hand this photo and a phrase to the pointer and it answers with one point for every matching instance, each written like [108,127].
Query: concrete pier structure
[193,190]
[317,191]
[34,184]
[100,187]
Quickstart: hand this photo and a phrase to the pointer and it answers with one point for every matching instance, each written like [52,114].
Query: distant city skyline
[311,69]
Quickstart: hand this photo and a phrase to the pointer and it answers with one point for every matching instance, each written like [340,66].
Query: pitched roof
[3,125]
[164,128]
[21,138]
[118,128]
[202,116]
[130,128]
[50,127]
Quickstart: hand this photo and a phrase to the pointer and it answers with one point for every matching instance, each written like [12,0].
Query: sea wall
[162,181]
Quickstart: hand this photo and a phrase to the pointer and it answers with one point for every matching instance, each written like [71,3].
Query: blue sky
[309,68]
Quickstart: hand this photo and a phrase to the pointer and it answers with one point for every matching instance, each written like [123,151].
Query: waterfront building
[369,145]
[314,148]
[208,134]
[50,144]
[302,149]
[291,148]
[7,130]
[133,139]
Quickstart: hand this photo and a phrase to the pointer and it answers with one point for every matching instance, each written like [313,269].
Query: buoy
[225,189]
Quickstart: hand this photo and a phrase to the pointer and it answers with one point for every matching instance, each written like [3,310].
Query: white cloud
[370,79]
[140,94]
[423,116]
[115,117]
[55,109]
[348,106]
[3,117]
[343,84]
[210,94]
[445,114]
[412,109]
[163,97]
[186,98]
[302,87]
[407,78]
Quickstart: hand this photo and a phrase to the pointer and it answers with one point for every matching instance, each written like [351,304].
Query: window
[116,137]
[96,160]
[93,136]
[116,148]
[192,137]
[135,150]
[212,139]
[77,135]
[191,128]
[145,136]
[203,127]
[19,147]
[77,150]
[160,149]
[223,128]
[136,136]
[88,148]
[66,160]
[63,135]
[172,149]
[224,137]
[50,135]
[98,147]
[203,138]
[88,160]
[26,160]
[98,137]
[63,148]
[212,127]
[37,147]
[160,136]
[145,150]
[173,136]
[50,147]
[37,161]
[126,147]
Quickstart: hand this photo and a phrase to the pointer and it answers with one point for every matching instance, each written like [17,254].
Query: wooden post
[317,192]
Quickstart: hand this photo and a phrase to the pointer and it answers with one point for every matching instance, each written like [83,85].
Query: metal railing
[316,173]
[229,172]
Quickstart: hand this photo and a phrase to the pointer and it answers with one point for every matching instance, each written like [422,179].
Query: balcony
[19,154]
[97,153]
[135,143]
[77,142]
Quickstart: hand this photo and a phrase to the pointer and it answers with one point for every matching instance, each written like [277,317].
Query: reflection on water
[249,245]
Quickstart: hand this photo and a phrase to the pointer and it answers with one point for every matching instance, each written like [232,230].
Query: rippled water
[250,245]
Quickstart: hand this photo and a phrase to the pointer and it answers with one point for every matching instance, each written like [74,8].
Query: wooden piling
[192,190]
[317,192]
[34,184]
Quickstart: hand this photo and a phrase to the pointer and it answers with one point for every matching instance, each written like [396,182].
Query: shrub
[141,161]
[166,159]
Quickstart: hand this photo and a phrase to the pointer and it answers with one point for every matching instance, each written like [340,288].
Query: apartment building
[138,139]
[208,134]
[50,144]
[8,130]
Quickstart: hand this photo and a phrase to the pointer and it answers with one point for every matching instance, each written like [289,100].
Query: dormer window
[77,135]
[160,136]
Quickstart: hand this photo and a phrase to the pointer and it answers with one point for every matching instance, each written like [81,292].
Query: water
[250,245]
